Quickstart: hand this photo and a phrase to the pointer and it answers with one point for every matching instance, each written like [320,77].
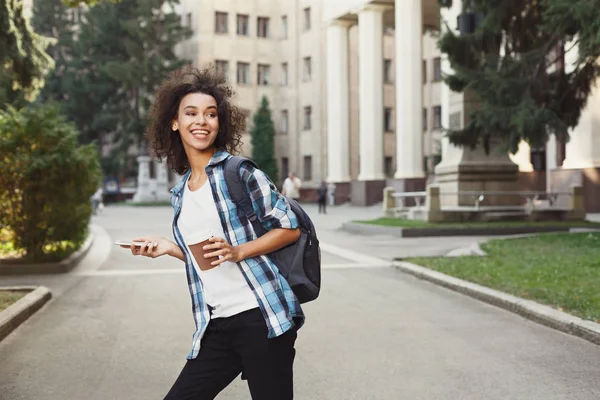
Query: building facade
[272,49]
[279,50]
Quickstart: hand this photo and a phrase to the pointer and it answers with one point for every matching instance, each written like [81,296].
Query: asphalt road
[120,327]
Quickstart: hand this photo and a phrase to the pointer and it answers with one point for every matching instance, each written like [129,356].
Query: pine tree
[120,54]
[263,140]
[24,62]
[511,67]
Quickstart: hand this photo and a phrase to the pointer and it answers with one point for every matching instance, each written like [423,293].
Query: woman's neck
[198,163]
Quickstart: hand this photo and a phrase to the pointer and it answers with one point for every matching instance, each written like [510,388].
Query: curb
[536,312]
[369,229]
[24,308]
[60,267]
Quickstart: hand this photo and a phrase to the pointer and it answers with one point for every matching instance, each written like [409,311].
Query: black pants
[322,205]
[234,345]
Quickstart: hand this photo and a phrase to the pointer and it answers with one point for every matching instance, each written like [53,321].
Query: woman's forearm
[268,243]
[176,252]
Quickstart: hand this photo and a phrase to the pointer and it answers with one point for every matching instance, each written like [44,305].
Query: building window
[307,117]
[284,121]
[387,71]
[284,74]
[437,69]
[307,19]
[242,25]
[263,74]
[262,27]
[243,73]
[388,167]
[308,168]
[437,117]
[387,120]
[307,69]
[424,68]
[284,27]
[424,120]
[221,22]
[222,67]
[285,167]
[188,20]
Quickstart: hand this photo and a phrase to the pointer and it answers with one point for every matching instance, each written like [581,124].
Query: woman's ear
[175,126]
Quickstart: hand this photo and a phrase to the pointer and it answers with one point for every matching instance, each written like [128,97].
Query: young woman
[245,312]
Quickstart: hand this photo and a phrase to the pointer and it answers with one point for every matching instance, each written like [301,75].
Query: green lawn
[560,270]
[405,223]
[7,298]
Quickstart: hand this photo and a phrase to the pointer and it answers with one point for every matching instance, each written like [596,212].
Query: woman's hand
[223,249]
[154,246]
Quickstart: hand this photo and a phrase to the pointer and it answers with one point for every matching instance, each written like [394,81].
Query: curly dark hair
[167,144]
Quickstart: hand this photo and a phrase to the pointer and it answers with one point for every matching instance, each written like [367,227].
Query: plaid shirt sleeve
[270,206]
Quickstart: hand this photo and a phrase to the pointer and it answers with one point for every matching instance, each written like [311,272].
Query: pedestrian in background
[322,197]
[245,312]
[97,201]
[291,187]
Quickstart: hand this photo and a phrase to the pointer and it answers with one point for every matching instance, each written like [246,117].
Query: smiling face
[198,122]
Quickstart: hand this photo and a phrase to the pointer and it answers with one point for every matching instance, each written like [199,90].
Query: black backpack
[300,262]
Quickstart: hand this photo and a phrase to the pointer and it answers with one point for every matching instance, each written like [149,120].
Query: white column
[551,163]
[338,114]
[523,157]
[370,77]
[409,89]
[583,147]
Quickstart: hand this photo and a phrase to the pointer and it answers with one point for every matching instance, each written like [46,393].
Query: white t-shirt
[224,287]
[292,188]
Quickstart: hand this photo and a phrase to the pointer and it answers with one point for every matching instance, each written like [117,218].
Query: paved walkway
[119,327]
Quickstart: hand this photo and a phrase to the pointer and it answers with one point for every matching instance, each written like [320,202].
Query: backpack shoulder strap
[237,190]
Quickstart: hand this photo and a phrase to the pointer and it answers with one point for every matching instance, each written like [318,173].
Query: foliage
[46,179]
[263,140]
[560,270]
[77,3]
[512,69]
[23,60]
[122,52]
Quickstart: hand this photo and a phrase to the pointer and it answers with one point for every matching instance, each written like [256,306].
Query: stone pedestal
[162,183]
[473,170]
[463,169]
[144,190]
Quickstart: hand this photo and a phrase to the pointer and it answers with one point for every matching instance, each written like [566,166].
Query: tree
[263,140]
[23,60]
[46,180]
[122,52]
[511,67]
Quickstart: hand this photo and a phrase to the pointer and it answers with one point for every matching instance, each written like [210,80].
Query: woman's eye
[191,114]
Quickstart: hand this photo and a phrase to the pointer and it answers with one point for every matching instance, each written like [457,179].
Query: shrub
[46,180]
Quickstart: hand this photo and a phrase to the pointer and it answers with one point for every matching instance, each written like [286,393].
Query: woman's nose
[200,119]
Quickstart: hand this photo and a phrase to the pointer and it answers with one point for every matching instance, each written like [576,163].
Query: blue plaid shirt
[276,300]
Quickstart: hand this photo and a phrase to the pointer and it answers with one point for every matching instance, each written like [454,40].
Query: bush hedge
[46,181]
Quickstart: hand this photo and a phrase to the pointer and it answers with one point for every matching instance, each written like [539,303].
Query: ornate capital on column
[342,23]
[372,7]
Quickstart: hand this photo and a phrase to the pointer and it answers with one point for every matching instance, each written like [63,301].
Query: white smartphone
[128,244]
